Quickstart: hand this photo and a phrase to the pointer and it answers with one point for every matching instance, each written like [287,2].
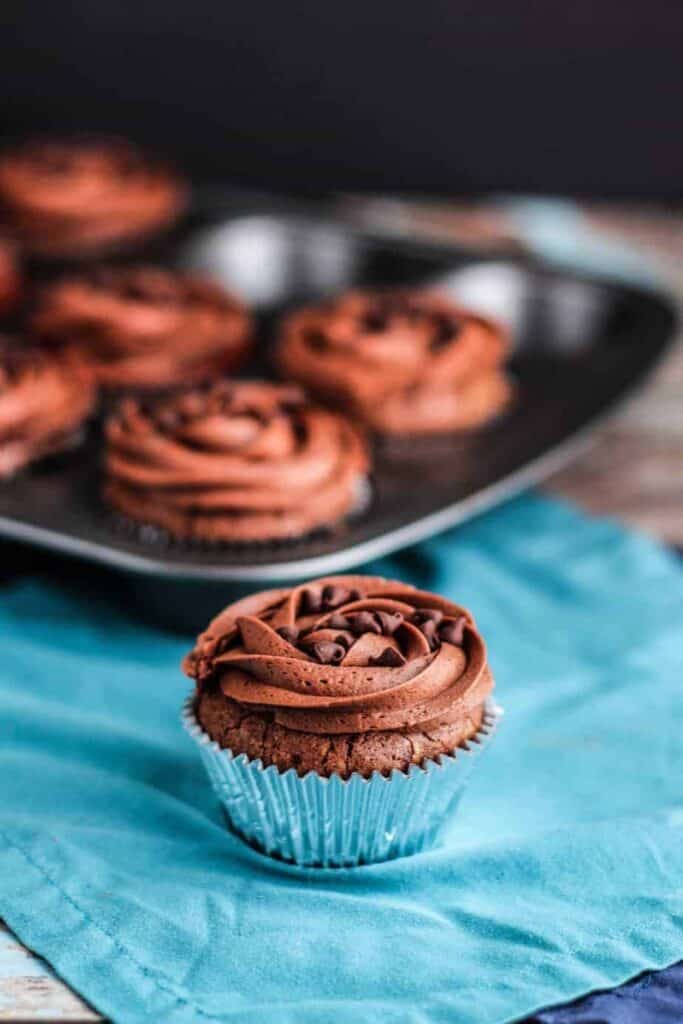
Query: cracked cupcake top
[146,327]
[403,362]
[233,461]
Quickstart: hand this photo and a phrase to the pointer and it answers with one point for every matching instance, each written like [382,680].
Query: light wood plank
[30,991]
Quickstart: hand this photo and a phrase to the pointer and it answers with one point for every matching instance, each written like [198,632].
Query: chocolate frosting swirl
[346,655]
[235,461]
[44,398]
[403,362]
[144,327]
[67,196]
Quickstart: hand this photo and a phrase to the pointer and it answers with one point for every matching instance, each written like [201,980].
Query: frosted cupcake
[45,399]
[233,462]
[404,363]
[339,719]
[78,196]
[146,328]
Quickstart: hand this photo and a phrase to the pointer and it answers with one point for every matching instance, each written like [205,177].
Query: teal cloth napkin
[562,872]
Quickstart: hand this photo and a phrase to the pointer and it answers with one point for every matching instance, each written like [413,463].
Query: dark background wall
[438,95]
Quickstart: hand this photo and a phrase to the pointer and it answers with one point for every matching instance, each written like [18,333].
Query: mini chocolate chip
[226,642]
[363,622]
[191,405]
[421,615]
[210,647]
[446,330]
[389,658]
[375,321]
[327,653]
[132,290]
[167,419]
[102,277]
[310,601]
[315,339]
[453,631]
[333,597]
[288,633]
[338,621]
[389,621]
[428,629]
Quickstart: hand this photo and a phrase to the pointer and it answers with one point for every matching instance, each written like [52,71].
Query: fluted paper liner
[320,821]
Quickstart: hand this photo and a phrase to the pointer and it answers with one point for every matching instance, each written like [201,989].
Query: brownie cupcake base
[330,822]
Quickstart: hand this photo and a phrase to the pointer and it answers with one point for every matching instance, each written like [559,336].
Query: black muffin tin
[580,344]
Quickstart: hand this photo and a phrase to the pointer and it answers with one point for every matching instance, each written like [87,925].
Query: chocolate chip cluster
[251,408]
[157,286]
[376,313]
[330,637]
[384,310]
[143,284]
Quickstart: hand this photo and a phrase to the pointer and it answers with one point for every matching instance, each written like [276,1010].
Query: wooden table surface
[634,471]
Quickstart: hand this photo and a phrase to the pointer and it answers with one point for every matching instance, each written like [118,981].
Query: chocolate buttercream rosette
[144,327]
[403,362]
[64,198]
[45,399]
[339,720]
[233,463]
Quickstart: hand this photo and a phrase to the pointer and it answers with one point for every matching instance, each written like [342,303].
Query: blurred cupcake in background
[45,399]
[146,327]
[338,720]
[244,461]
[404,363]
[79,196]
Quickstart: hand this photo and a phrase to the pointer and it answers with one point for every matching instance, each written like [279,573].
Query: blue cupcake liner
[319,821]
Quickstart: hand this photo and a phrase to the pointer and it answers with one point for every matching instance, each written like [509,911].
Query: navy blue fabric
[653,998]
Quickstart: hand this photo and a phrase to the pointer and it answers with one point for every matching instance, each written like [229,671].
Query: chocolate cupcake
[233,462]
[346,689]
[402,362]
[45,398]
[64,198]
[145,327]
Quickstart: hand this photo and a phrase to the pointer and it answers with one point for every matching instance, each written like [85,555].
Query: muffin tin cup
[158,537]
[316,821]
